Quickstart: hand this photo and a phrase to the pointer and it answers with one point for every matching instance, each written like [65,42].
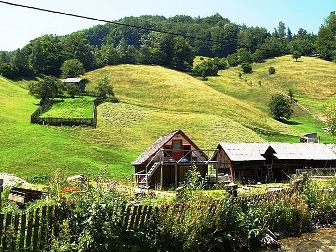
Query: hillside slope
[32,150]
[312,80]
[154,101]
[159,88]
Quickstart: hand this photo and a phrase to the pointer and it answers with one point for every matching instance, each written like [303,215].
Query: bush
[7,70]
[233,60]
[206,68]
[271,70]
[46,88]
[72,89]
[220,63]
[280,107]
[258,56]
[104,88]
[331,120]
[247,68]
[296,55]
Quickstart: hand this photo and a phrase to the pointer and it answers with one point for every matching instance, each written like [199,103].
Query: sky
[18,26]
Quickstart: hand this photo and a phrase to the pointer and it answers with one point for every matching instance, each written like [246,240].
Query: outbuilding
[75,81]
[266,162]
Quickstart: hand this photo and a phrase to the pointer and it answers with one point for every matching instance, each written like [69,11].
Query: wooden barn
[266,162]
[287,157]
[241,160]
[167,160]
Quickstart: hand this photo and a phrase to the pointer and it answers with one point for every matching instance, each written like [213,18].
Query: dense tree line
[112,44]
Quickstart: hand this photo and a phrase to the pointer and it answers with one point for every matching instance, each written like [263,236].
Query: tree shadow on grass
[288,122]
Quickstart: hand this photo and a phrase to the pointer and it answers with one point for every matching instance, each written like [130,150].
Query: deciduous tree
[72,68]
[280,107]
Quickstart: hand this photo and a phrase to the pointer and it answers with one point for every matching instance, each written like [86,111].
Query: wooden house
[167,160]
[267,162]
[75,81]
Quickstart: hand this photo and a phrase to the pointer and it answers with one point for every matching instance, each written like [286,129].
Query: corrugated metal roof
[72,80]
[332,147]
[290,151]
[303,151]
[245,151]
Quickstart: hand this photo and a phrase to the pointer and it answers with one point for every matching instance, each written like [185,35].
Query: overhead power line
[109,21]
[122,24]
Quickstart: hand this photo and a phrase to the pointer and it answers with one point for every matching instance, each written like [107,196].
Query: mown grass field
[313,82]
[79,107]
[155,101]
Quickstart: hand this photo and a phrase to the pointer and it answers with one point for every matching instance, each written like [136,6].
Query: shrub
[46,88]
[206,68]
[247,68]
[7,70]
[271,70]
[258,56]
[233,60]
[331,120]
[103,88]
[280,107]
[296,55]
[72,89]
[220,63]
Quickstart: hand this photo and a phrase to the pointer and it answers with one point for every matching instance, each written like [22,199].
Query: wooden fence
[30,231]
[37,119]
[34,231]
[34,118]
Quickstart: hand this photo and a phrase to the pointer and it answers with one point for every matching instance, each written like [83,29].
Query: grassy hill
[313,82]
[154,101]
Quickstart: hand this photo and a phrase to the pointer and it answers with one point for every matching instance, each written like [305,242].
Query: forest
[213,36]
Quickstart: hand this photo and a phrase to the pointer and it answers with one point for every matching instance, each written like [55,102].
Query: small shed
[75,81]
[310,138]
[167,160]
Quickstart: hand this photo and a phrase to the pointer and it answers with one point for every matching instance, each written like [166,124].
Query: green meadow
[78,107]
[154,101]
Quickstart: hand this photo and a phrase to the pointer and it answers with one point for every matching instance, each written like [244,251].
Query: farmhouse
[75,81]
[167,160]
[267,162]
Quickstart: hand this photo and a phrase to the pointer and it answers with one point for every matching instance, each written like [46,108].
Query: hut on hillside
[266,162]
[75,81]
[167,160]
